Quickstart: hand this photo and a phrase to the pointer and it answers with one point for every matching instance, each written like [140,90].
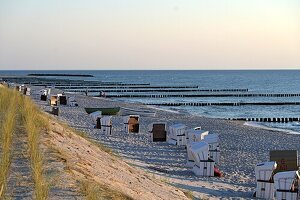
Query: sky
[149,34]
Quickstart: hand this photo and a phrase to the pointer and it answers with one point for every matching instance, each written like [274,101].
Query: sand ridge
[86,159]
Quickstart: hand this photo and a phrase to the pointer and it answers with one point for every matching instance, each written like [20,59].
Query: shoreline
[287,131]
[178,110]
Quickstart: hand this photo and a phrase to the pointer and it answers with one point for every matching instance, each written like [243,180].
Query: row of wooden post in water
[270,119]
[99,86]
[138,90]
[202,95]
[224,104]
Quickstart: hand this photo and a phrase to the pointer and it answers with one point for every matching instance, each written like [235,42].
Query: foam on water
[287,127]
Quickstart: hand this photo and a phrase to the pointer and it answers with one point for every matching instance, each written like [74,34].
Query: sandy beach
[242,147]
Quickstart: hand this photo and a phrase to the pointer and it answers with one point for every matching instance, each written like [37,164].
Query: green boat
[105,111]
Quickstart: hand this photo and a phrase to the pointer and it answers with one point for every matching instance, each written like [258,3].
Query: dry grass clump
[33,124]
[189,194]
[95,191]
[9,101]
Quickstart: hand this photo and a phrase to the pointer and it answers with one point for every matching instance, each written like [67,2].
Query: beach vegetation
[8,108]
[189,194]
[95,191]
[33,124]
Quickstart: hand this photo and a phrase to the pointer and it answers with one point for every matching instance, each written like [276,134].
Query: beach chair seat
[264,190]
[62,100]
[286,185]
[131,123]
[158,132]
[106,125]
[43,97]
[204,168]
[54,100]
[55,111]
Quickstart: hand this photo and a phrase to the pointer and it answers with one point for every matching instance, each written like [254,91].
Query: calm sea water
[265,81]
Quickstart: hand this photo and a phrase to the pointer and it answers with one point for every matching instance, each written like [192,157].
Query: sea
[256,81]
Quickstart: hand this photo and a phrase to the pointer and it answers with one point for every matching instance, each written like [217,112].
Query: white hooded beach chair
[196,135]
[286,185]
[203,166]
[44,95]
[44,92]
[214,146]
[72,102]
[106,125]
[131,123]
[177,135]
[96,116]
[22,88]
[27,91]
[264,179]
[158,132]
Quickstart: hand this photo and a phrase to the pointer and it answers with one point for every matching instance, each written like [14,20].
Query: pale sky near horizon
[152,34]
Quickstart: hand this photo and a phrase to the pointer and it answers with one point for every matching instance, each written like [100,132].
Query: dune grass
[95,191]
[9,101]
[34,123]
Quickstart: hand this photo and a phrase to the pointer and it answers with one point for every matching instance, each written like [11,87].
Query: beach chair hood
[285,180]
[211,138]
[199,151]
[176,129]
[95,115]
[126,118]
[264,170]
[197,135]
[150,127]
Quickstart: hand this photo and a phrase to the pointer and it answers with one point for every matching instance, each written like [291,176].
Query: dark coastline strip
[199,95]
[226,104]
[76,75]
[160,90]
[269,119]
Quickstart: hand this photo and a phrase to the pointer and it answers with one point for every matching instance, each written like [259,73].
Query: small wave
[296,124]
[163,109]
[257,125]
